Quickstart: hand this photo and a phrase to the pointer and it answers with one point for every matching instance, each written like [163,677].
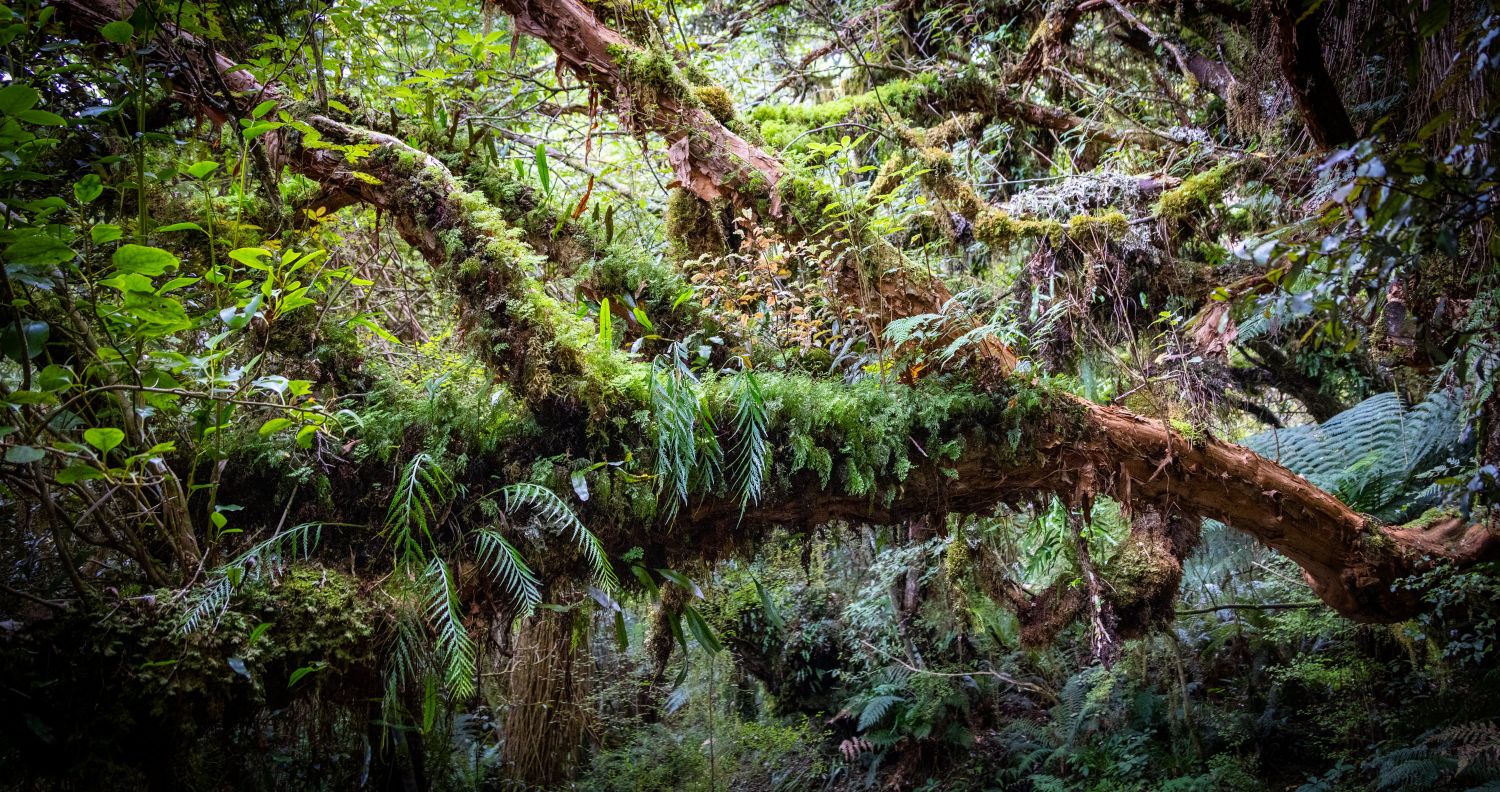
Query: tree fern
[554,512]
[421,495]
[453,641]
[1378,456]
[504,564]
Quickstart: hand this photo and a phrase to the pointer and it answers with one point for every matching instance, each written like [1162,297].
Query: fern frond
[453,641]
[503,562]
[751,445]
[421,494]
[552,510]
[875,710]
[267,557]
[1377,456]
[683,454]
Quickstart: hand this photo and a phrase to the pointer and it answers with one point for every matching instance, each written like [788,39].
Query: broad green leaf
[274,425]
[118,32]
[700,630]
[21,455]
[18,97]
[104,233]
[54,377]
[35,334]
[104,438]
[129,282]
[198,170]
[180,227]
[157,310]
[38,249]
[143,260]
[88,189]
[41,117]
[260,128]
[251,257]
[73,474]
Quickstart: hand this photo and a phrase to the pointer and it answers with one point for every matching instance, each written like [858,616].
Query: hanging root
[1125,598]
[544,729]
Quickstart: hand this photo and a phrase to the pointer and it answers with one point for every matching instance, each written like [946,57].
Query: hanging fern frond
[684,456]
[551,509]
[422,495]
[503,563]
[751,444]
[267,557]
[453,641]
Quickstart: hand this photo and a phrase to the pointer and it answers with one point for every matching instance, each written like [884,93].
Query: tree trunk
[1300,54]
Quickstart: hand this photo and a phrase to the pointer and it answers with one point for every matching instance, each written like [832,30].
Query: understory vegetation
[634,395]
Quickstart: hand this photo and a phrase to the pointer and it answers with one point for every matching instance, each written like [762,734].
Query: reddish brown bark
[709,160]
[1076,449]
[1349,560]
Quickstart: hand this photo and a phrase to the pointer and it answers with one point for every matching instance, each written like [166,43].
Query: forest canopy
[811,394]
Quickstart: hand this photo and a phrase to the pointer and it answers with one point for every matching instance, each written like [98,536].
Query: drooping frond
[421,495]
[684,455]
[1378,456]
[453,641]
[551,509]
[267,557]
[503,563]
[751,447]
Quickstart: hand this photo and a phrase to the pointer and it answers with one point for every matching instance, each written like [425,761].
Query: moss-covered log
[998,451]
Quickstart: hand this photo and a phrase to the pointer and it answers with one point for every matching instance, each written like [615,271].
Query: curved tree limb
[1065,445]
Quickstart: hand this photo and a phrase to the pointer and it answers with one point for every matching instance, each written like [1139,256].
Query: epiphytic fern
[751,445]
[552,511]
[422,494]
[505,566]
[267,557]
[684,455]
[453,641]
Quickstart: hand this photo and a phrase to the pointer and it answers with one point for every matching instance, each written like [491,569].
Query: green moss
[693,227]
[781,124]
[890,176]
[650,72]
[1195,194]
[1109,225]
[717,101]
[999,230]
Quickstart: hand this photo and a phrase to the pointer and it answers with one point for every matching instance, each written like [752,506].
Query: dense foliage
[818,394]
